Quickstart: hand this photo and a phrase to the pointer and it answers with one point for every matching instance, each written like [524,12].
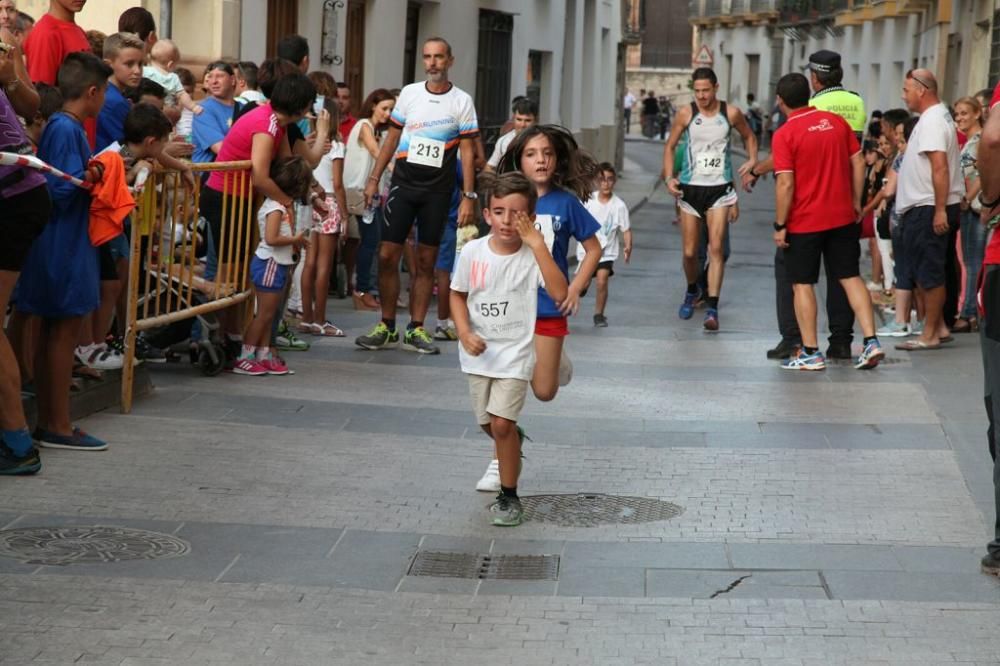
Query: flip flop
[947,338]
[310,329]
[917,345]
[330,331]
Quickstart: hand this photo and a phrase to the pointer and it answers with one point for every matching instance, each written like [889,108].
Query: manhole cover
[485,566]
[88,545]
[591,510]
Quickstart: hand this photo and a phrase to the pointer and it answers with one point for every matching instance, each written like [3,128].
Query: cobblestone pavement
[824,519]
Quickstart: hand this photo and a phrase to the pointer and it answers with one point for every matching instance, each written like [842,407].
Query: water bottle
[369,213]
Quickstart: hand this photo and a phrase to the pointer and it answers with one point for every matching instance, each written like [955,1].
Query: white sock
[263,353]
[443,324]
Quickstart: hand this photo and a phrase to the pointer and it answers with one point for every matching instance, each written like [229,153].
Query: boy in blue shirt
[60,283]
[210,127]
[123,52]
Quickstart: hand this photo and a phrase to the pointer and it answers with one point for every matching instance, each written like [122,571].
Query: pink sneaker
[248,366]
[274,366]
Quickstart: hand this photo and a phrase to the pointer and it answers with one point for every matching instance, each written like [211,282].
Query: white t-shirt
[935,131]
[629,101]
[284,253]
[323,173]
[501,147]
[248,96]
[614,220]
[503,299]
[358,162]
[432,126]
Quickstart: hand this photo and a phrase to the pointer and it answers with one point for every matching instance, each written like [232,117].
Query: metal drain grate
[591,509]
[88,545]
[485,566]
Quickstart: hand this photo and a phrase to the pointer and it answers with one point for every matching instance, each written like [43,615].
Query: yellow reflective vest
[846,104]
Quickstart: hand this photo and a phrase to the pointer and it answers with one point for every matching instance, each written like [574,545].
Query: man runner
[704,185]
[432,122]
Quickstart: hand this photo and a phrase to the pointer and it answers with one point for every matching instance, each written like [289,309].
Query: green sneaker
[418,340]
[287,340]
[506,511]
[379,337]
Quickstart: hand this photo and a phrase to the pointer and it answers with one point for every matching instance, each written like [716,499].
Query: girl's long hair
[575,171]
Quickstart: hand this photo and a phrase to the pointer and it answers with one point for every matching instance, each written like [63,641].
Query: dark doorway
[493,74]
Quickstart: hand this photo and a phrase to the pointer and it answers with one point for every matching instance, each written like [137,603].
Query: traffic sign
[704,57]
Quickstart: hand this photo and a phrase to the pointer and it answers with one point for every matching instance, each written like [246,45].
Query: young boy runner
[494,296]
[612,214]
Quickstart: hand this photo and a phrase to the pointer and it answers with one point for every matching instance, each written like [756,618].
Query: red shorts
[552,327]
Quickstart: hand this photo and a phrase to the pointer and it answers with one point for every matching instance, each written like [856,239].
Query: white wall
[739,42]
[578,39]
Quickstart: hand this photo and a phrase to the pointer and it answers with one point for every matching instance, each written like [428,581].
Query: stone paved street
[834,518]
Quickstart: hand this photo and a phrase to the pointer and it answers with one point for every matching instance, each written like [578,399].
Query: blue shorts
[926,251]
[268,274]
[446,250]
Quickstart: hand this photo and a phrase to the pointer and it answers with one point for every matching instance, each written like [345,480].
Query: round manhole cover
[592,509]
[88,545]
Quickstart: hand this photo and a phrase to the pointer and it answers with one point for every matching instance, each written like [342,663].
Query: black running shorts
[405,206]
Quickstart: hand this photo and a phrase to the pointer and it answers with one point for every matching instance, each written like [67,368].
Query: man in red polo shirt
[989,308]
[820,173]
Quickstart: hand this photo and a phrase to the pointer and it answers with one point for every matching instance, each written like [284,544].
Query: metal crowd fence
[166,282]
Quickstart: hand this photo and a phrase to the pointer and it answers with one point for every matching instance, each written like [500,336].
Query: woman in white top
[362,149]
[327,232]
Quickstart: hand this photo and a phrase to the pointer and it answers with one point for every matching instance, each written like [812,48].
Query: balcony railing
[813,10]
[734,8]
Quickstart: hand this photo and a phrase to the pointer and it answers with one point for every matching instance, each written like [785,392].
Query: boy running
[494,295]
[612,214]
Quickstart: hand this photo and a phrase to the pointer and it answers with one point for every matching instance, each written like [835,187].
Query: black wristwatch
[779,227]
[988,205]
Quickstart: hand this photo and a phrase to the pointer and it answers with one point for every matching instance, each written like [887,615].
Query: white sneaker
[490,483]
[102,358]
[565,369]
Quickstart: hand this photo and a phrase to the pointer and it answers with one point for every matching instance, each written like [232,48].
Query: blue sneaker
[687,307]
[870,356]
[804,361]
[711,319]
[78,441]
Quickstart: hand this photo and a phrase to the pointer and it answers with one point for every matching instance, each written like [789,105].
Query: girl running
[269,270]
[328,227]
[564,177]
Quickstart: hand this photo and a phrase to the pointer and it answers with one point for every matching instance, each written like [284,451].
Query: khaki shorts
[497,397]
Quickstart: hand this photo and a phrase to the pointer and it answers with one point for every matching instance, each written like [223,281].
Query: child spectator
[164,57]
[148,92]
[494,296]
[210,128]
[96,39]
[612,214]
[183,126]
[246,84]
[525,114]
[60,281]
[269,269]
[328,227]
[123,52]
[54,37]
[139,21]
[49,102]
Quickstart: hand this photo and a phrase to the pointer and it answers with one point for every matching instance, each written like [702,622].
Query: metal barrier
[164,282]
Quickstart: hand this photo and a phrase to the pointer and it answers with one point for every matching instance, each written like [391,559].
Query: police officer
[825,77]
